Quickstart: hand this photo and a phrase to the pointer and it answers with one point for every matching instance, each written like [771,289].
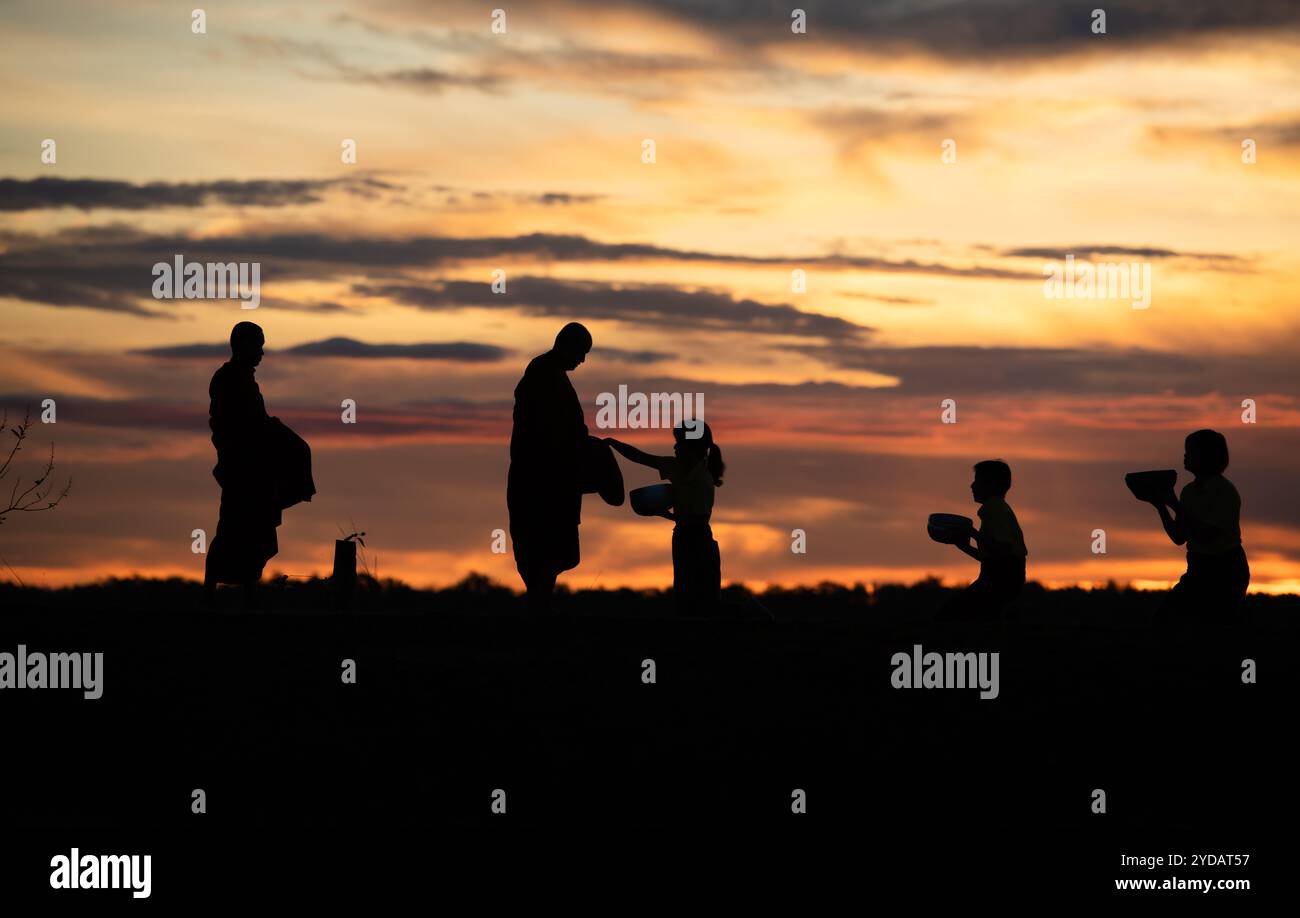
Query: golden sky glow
[774,152]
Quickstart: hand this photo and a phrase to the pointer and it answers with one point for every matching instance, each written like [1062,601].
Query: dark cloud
[127,413]
[625,356]
[347,254]
[743,30]
[430,418]
[92,194]
[646,304]
[1276,133]
[975,29]
[187,351]
[952,370]
[105,194]
[543,198]
[424,79]
[110,287]
[320,61]
[1092,252]
[559,197]
[326,306]
[458,351]
[110,267]
[558,60]
[884,298]
[1281,134]
[861,129]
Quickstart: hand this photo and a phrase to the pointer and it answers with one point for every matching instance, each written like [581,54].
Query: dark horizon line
[482,582]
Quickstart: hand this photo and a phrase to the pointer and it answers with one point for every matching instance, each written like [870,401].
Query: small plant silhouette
[358,536]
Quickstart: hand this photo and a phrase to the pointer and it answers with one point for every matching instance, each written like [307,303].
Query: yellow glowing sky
[774,152]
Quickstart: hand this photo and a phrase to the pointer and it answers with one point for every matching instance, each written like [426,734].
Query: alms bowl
[948,528]
[1151,485]
[652,500]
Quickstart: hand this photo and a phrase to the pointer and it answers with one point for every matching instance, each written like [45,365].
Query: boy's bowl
[948,528]
[652,500]
[1151,485]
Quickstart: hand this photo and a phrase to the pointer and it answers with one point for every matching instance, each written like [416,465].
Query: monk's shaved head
[573,339]
[245,334]
[572,344]
[246,340]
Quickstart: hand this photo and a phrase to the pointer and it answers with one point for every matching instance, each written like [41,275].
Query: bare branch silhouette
[36,496]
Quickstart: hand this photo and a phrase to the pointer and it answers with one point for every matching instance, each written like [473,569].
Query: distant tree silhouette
[36,496]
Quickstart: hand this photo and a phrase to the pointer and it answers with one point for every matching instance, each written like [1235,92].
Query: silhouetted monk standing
[544,488]
[263,467]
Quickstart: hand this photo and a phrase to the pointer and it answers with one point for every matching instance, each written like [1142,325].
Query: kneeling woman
[694,470]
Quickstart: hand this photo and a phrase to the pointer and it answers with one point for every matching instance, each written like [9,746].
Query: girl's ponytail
[713,458]
[716,465]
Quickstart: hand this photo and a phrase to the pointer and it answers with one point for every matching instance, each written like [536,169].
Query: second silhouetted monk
[263,467]
[545,484]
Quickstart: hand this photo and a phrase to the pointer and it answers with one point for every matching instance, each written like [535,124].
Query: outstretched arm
[633,454]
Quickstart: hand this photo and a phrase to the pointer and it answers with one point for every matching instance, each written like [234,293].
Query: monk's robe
[543,489]
[263,468]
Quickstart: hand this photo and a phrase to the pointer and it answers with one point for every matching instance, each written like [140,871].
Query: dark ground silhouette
[462,691]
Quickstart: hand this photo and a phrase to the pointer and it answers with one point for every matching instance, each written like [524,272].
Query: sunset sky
[774,152]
